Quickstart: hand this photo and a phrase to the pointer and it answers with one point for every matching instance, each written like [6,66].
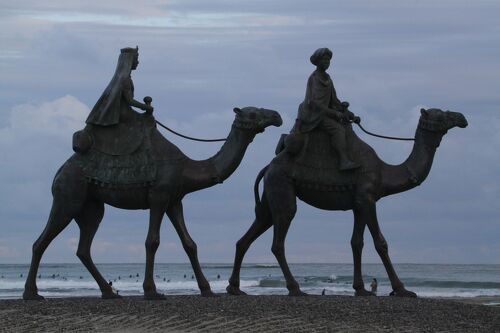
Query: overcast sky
[199,59]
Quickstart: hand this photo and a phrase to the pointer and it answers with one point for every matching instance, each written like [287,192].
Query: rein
[358,122]
[188,137]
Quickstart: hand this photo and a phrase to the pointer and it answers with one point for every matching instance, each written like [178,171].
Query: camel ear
[237,110]
[424,112]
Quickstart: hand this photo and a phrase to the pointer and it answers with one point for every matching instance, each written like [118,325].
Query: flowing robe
[320,95]
[112,107]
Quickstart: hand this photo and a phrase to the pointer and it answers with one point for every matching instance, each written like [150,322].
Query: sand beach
[249,314]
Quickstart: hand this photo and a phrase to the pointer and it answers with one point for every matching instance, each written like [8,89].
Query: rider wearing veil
[115,147]
[114,105]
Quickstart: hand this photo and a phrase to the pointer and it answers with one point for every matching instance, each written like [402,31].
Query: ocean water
[427,280]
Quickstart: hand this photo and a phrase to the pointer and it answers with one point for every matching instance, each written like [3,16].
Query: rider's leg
[338,141]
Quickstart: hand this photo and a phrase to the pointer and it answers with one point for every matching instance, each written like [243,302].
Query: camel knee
[152,244]
[39,247]
[381,246]
[357,243]
[278,249]
[241,246]
[35,249]
[83,255]
[190,247]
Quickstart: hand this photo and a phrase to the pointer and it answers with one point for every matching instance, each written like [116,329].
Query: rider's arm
[331,113]
[128,95]
[317,93]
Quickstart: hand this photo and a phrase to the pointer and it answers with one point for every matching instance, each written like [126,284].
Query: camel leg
[369,214]
[176,215]
[262,223]
[59,219]
[69,190]
[283,206]
[152,242]
[88,221]
[357,249]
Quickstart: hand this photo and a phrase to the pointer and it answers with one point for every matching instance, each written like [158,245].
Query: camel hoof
[297,293]
[27,296]
[363,292]
[110,295]
[403,293]
[208,293]
[154,296]
[233,290]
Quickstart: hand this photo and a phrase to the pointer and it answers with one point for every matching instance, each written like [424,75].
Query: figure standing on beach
[374,286]
[112,288]
[322,109]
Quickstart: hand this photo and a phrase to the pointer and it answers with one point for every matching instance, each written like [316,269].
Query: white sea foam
[336,279]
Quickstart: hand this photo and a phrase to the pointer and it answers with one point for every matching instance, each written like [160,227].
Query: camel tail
[256,185]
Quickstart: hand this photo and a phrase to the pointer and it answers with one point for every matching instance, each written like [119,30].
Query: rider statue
[323,110]
[114,105]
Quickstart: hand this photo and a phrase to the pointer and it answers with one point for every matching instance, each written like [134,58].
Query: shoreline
[477,300]
[189,313]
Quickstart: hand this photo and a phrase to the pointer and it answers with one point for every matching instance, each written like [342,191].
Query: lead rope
[148,101]
[188,137]
[358,122]
[218,140]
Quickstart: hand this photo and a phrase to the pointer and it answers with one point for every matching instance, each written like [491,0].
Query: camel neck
[419,162]
[232,151]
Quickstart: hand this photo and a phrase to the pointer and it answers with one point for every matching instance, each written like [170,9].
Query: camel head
[256,119]
[437,120]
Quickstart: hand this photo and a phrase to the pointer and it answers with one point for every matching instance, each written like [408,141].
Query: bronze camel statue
[307,177]
[75,197]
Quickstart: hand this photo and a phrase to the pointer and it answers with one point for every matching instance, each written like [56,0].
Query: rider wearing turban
[322,109]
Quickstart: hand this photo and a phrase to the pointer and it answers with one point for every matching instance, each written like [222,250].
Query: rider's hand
[338,116]
[349,115]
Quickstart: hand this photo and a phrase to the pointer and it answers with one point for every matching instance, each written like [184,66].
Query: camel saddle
[313,162]
[120,155]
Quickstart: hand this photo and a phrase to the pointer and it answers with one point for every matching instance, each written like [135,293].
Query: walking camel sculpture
[75,197]
[312,177]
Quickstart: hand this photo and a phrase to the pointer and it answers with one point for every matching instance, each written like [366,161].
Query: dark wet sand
[249,314]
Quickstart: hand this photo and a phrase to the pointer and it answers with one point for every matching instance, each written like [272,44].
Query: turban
[319,53]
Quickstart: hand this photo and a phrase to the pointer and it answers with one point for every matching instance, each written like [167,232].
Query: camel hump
[164,150]
[313,161]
